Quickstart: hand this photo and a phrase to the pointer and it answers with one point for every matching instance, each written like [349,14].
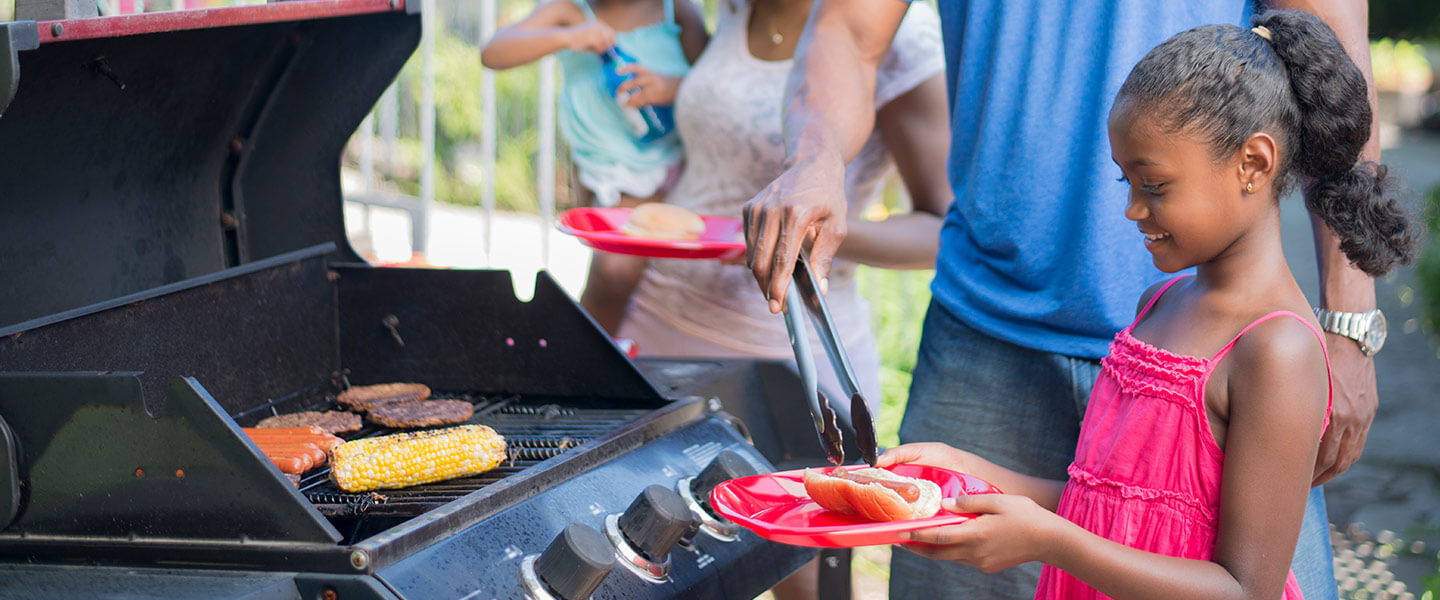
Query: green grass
[897,307]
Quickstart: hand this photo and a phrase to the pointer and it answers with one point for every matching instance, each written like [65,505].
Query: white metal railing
[386,115]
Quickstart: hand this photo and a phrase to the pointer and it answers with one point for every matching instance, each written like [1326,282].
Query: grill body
[176,268]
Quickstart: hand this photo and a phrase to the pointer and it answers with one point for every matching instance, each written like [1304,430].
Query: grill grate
[533,434]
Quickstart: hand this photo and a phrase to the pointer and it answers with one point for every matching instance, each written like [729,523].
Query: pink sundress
[1147,470]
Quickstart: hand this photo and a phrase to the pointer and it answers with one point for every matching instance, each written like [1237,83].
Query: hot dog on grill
[875,494]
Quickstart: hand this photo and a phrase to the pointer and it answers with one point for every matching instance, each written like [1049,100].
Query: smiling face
[1190,206]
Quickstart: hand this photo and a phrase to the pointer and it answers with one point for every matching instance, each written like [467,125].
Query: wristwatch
[1366,328]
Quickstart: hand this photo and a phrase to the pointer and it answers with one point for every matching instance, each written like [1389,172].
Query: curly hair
[1224,83]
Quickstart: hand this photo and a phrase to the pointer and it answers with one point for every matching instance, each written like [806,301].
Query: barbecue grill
[175,267]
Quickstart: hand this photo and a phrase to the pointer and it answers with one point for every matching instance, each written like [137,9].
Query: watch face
[1375,335]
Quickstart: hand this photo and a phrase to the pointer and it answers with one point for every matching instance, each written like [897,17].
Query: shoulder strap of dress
[670,11]
[1158,293]
[585,6]
[1330,384]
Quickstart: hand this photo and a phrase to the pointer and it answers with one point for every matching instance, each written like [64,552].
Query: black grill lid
[142,150]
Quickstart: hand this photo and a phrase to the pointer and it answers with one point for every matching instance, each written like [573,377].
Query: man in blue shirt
[1038,267]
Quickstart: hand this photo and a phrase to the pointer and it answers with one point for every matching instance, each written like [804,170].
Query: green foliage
[459,121]
[1432,582]
[1427,269]
[1399,66]
[1413,19]
[898,300]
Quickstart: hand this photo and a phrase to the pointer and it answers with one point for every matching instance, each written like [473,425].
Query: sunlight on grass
[897,307]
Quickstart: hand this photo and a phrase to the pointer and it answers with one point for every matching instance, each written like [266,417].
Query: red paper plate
[776,507]
[599,228]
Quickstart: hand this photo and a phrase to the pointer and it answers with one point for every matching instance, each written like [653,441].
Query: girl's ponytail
[1356,200]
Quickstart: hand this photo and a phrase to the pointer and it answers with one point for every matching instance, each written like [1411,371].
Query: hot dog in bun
[875,494]
[664,221]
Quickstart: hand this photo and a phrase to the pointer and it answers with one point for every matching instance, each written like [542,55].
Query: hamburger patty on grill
[332,421]
[422,414]
[363,398]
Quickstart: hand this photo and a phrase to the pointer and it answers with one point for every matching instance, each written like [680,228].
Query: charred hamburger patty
[422,414]
[363,398]
[332,421]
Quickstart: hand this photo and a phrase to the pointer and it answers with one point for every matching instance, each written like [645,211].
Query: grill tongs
[805,296]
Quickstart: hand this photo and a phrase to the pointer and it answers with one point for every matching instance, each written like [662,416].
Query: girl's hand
[929,453]
[590,36]
[648,87]
[1009,530]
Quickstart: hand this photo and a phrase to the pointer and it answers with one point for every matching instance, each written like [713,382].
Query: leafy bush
[1427,269]
[459,119]
[1414,19]
[1432,582]
[1400,66]
[898,300]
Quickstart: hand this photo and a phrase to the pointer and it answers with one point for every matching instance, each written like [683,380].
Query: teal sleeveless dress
[610,159]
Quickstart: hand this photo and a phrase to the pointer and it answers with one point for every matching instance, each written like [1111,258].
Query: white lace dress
[728,112]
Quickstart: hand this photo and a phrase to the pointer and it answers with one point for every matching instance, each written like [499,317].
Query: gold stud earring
[1249,188]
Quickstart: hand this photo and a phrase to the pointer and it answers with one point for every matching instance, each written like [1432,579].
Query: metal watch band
[1355,326]
[1340,323]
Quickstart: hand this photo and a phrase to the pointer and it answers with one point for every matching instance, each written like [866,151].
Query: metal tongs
[805,296]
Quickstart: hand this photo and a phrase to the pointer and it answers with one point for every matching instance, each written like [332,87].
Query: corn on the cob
[406,459]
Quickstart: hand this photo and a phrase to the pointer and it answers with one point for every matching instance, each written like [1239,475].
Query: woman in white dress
[728,112]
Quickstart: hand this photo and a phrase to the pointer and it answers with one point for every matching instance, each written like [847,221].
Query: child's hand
[929,453]
[590,36]
[648,86]
[1009,530]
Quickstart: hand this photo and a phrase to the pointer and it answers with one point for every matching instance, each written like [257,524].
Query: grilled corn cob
[406,459]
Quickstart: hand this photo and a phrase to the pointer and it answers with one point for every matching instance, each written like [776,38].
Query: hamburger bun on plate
[663,221]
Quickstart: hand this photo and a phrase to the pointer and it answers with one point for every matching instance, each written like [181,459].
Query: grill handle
[9,475]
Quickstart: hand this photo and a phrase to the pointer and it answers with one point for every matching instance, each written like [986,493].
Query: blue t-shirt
[1036,249]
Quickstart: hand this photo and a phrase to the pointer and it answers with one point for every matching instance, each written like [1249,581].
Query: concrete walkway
[1396,485]
[522,245]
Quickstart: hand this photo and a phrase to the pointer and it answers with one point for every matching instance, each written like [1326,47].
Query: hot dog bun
[664,221]
[869,497]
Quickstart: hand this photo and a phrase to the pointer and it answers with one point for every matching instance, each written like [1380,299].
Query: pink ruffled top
[1147,470]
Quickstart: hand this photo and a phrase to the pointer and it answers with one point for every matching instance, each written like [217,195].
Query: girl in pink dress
[1198,445]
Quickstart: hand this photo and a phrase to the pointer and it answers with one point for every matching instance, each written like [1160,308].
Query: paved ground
[1395,487]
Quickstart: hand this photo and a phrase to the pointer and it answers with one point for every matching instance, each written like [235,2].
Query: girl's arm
[551,27]
[1274,387]
[1044,492]
[693,37]
[915,127]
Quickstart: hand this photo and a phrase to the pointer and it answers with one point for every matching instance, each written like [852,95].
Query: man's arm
[1342,286]
[829,113]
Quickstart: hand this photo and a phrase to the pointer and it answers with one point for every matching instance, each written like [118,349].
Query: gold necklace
[776,38]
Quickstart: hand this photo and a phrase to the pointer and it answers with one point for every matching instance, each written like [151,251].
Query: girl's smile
[1153,239]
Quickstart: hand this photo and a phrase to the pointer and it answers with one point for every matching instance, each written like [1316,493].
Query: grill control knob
[655,521]
[575,562]
[725,467]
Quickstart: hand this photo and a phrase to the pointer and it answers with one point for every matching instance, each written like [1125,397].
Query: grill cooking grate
[533,433]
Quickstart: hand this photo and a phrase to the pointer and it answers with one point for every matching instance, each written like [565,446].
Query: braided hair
[1224,83]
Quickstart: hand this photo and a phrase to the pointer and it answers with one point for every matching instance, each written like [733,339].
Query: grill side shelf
[95,464]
